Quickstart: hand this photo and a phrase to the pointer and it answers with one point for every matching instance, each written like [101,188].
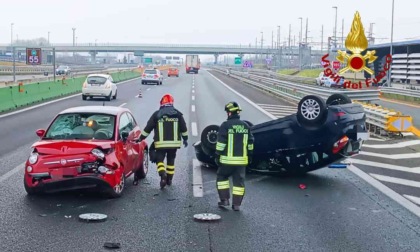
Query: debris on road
[43,215]
[302,186]
[112,245]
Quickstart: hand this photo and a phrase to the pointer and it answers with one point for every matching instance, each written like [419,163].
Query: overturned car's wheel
[249,123]
[209,139]
[337,99]
[312,111]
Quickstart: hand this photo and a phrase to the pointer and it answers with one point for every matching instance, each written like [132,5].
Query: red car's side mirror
[40,132]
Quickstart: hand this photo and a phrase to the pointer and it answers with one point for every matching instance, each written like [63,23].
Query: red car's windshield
[84,126]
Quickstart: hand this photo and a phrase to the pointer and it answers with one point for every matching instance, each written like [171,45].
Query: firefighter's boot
[169,179]
[163,177]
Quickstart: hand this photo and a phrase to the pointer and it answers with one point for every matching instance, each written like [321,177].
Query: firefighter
[234,147]
[169,126]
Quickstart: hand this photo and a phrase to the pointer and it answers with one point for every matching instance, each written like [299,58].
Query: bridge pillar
[216,56]
[93,56]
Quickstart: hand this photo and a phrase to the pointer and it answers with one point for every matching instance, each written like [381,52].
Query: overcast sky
[199,22]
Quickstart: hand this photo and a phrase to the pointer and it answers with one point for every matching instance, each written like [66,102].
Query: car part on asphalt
[93,217]
[207,217]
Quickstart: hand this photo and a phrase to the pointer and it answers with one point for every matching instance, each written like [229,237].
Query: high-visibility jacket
[169,126]
[235,142]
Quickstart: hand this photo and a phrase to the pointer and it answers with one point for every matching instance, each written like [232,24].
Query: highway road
[340,210]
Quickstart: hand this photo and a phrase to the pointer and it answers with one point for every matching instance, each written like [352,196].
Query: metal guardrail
[399,91]
[71,75]
[378,119]
[297,91]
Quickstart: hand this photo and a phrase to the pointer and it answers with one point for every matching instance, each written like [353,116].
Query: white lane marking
[193,108]
[197,179]
[11,172]
[376,139]
[387,191]
[395,145]
[193,91]
[54,101]
[194,129]
[385,166]
[393,156]
[394,180]
[193,97]
[148,89]
[414,199]
[122,105]
[245,98]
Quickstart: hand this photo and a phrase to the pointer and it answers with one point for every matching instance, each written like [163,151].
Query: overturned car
[319,134]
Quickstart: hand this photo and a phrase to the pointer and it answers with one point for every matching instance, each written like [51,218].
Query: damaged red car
[90,147]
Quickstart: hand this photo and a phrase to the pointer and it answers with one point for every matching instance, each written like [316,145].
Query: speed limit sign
[33,56]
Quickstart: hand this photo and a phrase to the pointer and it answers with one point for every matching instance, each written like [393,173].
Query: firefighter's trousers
[238,179]
[170,155]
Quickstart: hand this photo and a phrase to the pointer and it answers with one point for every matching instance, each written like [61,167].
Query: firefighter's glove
[141,138]
[185,143]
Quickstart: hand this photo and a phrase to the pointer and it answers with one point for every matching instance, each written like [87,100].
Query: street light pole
[48,37]
[335,27]
[13,52]
[74,38]
[390,49]
[300,43]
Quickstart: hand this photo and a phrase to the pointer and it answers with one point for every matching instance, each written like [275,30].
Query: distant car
[331,83]
[89,147]
[173,72]
[319,134]
[63,70]
[101,85]
[152,76]
[320,80]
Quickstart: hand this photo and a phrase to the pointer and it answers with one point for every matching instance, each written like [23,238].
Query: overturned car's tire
[249,123]
[209,138]
[337,99]
[312,111]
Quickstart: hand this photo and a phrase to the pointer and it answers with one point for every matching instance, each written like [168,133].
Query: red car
[173,71]
[87,147]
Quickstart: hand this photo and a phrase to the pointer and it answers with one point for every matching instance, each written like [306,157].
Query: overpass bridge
[141,49]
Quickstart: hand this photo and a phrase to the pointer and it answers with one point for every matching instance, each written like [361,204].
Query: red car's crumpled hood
[69,147]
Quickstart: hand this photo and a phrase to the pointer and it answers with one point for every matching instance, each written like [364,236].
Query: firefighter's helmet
[167,99]
[233,107]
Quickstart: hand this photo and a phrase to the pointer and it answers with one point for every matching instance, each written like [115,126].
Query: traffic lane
[331,214]
[339,210]
[146,217]
[210,99]
[18,130]
[254,94]
[405,109]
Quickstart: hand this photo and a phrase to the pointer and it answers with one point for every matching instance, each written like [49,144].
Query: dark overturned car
[321,133]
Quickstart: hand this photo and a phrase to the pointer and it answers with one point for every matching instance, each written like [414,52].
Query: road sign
[33,56]
[336,65]
[148,60]
[247,64]
[138,53]
[238,61]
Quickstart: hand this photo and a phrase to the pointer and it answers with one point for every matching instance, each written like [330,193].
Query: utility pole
[256,46]
[322,39]
[272,39]
[48,38]
[13,52]
[342,34]
[74,38]
[262,43]
[278,45]
[390,49]
[306,33]
[300,44]
[335,27]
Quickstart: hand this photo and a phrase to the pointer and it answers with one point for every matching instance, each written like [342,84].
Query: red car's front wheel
[118,188]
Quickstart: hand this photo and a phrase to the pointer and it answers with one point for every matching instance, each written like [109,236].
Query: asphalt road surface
[338,211]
